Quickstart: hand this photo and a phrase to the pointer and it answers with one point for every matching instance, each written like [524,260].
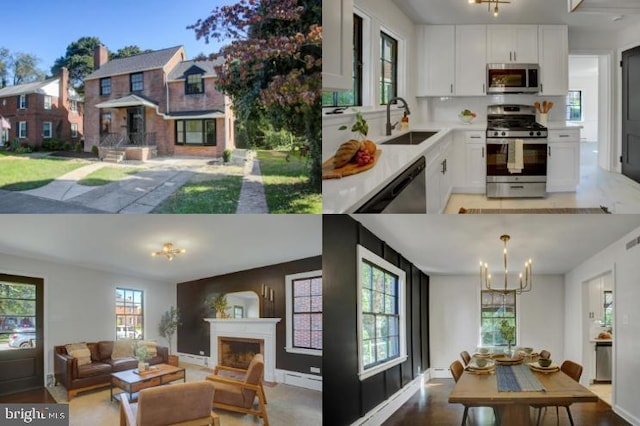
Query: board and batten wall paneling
[345,397]
[194,333]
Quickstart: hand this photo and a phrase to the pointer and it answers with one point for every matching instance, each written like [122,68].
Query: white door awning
[127,101]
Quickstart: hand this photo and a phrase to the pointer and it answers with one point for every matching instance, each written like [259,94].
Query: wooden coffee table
[132,382]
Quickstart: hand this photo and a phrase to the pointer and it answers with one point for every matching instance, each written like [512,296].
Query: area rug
[568,210]
[286,405]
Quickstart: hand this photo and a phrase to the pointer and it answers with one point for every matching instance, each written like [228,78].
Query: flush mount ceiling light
[526,282]
[490,4]
[169,251]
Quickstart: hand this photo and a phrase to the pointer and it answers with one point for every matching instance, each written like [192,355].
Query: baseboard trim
[386,408]
[468,190]
[302,380]
[626,415]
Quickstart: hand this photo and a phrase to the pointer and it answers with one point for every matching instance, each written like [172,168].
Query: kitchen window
[105,86]
[195,132]
[381,314]
[46,130]
[574,105]
[129,314]
[498,318]
[608,308]
[352,97]
[137,82]
[389,68]
[304,313]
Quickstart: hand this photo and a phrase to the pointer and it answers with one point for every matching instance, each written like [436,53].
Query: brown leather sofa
[97,374]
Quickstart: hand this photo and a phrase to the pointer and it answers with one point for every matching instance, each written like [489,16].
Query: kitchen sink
[411,138]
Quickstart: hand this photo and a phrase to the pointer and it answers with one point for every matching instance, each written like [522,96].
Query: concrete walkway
[252,198]
[66,186]
[18,202]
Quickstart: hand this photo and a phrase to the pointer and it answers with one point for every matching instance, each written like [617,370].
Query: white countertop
[600,340]
[563,125]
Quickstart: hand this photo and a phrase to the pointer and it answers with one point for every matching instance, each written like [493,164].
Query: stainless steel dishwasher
[603,362]
[407,193]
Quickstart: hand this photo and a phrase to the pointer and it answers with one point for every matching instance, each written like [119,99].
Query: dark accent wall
[346,398]
[194,333]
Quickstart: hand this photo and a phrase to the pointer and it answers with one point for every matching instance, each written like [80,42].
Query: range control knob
[531,133]
[504,133]
[538,133]
[495,133]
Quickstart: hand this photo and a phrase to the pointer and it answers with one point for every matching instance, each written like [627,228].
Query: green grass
[107,175]
[216,195]
[19,173]
[286,184]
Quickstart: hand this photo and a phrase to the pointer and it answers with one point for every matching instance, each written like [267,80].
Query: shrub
[66,146]
[94,150]
[281,139]
[226,155]
[77,147]
[23,150]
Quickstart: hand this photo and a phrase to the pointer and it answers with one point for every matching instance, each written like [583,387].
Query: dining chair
[466,358]
[573,370]
[545,354]
[456,370]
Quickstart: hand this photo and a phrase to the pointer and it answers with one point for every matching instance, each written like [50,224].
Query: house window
[105,86]
[129,314]
[354,96]
[137,82]
[608,308]
[22,102]
[46,130]
[73,106]
[304,313]
[47,102]
[574,105]
[389,68]
[105,123]
[498,318]
[74,130]
[194,84]
[381,314]
[195,132]
[23,130]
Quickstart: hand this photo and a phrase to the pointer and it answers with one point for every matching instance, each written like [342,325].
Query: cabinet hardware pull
[516,187]
[484,90]
[564,136]
[515,57]
[483,152]
[549,151]
[475,137]
[510,56]
[541,88]
[452,88]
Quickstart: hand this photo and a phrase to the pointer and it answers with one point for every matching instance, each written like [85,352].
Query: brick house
[156,102]
[42,110]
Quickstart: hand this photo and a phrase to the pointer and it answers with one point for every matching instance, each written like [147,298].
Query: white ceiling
[215,244]
[517,12]
[454,244]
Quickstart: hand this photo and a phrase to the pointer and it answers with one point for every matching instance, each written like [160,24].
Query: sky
[46,27]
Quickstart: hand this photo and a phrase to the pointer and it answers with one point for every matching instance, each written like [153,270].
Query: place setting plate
[488,368]
[553,368]
[507,360]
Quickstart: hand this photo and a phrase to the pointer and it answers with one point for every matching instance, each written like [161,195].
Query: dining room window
[304,313]
[381,314]
[498,319]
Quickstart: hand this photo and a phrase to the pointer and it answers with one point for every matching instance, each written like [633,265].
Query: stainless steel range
[516,152]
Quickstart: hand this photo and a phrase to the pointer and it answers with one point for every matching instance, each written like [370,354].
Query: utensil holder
[542,118]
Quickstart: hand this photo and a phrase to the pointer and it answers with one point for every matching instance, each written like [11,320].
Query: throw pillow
[122,349]
[152,347]
[81,352]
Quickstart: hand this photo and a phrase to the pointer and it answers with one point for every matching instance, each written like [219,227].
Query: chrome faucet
[390,126]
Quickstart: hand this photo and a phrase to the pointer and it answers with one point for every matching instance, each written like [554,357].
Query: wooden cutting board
[330,172]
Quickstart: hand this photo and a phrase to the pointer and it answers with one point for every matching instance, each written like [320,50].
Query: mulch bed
[67,154]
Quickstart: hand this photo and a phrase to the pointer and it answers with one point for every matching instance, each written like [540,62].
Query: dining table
[513,406]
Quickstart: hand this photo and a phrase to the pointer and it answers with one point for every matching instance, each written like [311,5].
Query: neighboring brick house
[156,99]
[42,110]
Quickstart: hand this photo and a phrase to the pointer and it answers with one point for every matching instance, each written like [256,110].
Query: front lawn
[286,184]
[107,175]
[20,173]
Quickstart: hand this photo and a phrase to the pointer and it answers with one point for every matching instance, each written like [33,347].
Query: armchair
[237,392]
[181,404]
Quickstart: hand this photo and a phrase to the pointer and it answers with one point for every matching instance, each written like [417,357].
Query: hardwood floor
[36,396]
[430,406]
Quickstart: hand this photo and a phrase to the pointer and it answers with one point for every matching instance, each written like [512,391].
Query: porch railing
[120,141]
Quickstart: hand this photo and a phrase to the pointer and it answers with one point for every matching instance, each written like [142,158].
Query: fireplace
[238,352]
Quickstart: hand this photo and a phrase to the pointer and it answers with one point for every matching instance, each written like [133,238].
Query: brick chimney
[63,97]
[100,56]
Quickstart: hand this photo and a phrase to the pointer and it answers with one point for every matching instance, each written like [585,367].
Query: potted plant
[219,303]
[143,355]
[508,332]
[169,323]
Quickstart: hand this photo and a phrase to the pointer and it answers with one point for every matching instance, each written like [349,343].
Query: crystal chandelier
[526,281]
[168,251]
[490,3]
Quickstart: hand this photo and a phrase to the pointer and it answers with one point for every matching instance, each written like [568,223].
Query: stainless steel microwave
[513,78]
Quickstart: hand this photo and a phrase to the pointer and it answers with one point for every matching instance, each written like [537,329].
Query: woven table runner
[516,378]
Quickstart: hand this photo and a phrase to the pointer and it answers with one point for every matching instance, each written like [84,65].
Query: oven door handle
[526,141]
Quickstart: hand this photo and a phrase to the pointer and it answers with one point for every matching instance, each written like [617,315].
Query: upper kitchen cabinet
[337,44]
[436,60]
[554,60]
[512,44]
[470,64]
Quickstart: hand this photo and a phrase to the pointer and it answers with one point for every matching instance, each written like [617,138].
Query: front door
[135,119]
[21,333]
[631,113]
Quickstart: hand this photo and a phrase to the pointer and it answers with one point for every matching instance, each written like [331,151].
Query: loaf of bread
[346,152]
[370,146]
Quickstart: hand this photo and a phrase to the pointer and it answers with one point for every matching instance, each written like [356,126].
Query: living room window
[129,314]
[381,314]
[46,130]
[137,82]
[105,86]
[498,318]
[304,312]
[195,132]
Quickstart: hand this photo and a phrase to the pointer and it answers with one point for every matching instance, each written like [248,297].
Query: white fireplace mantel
[252,328]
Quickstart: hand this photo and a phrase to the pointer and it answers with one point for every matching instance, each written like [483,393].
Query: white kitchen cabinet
[476,167]
[337,44]
[438,175]
[434,204]
[470,60]
[512,44]
[596,299]
[563,160]
[554,60]
[436,60]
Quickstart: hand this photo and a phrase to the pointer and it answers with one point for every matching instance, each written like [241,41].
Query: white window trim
[289,279]
[47,105]
[363,253]
[22,129]
[74,130]
[23,102]
[44,134]
[73,106]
